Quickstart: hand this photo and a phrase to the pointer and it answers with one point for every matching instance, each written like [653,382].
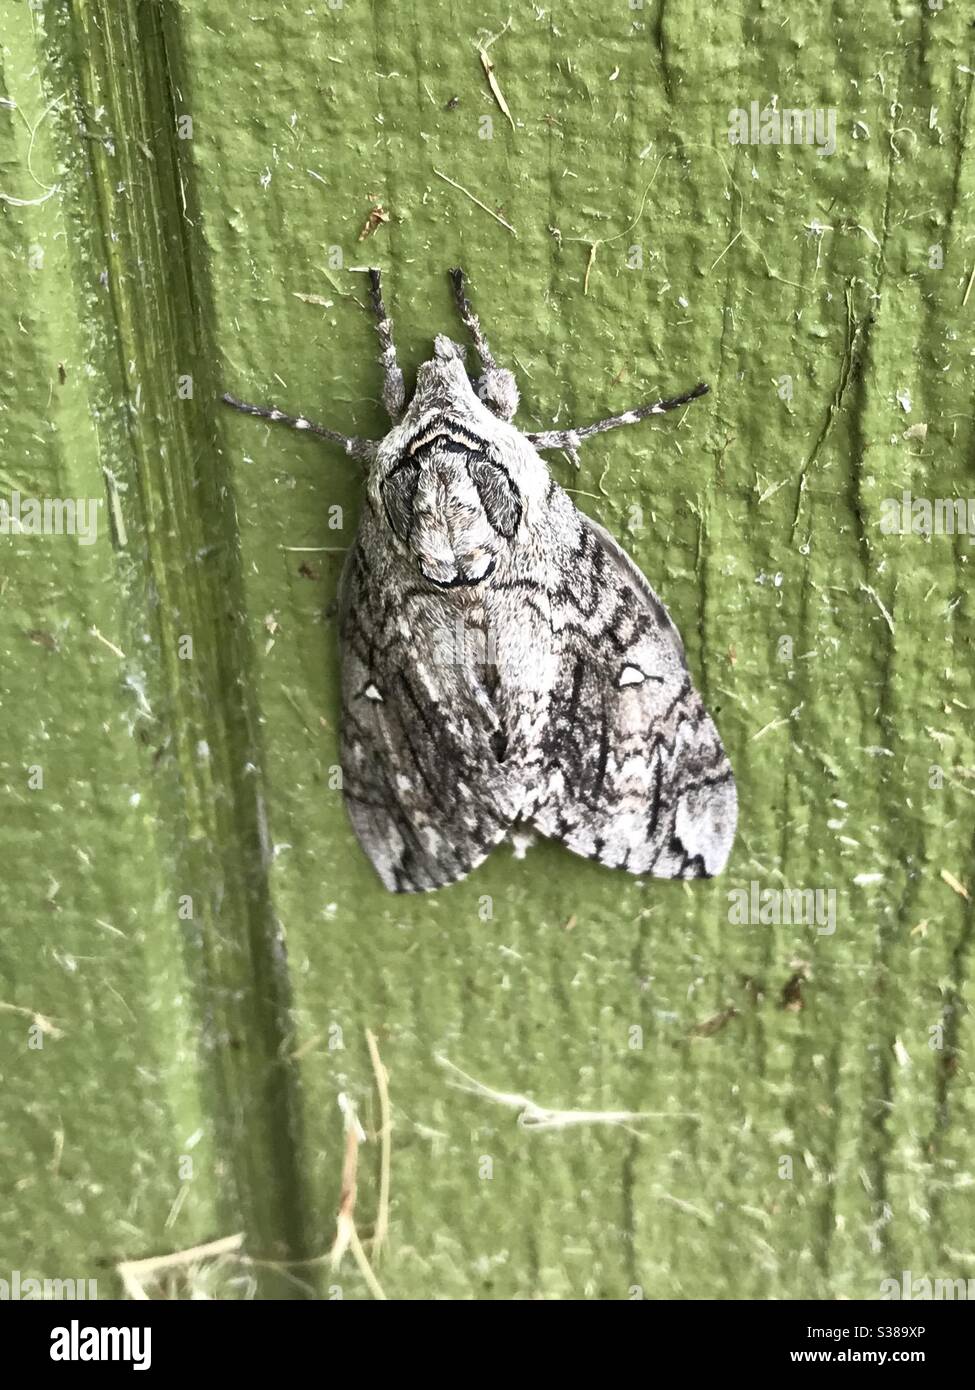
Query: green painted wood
[189,1080]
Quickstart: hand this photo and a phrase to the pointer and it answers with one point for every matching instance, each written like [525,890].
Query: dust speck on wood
[376,218]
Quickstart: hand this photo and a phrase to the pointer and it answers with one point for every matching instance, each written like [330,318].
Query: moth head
[454,479]
[444,378]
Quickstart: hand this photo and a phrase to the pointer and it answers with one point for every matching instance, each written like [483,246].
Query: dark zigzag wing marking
[417,835]
[400,804]
[423,787]
[632,775]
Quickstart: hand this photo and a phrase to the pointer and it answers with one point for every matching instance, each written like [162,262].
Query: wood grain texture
[227,1037]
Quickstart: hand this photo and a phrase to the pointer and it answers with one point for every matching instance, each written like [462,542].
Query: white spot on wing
[631,675]
[371,693]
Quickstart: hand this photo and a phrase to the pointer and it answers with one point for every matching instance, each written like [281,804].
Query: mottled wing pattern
[633,772]
[424,789]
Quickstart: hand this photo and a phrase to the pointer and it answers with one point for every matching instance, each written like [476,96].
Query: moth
[506,667]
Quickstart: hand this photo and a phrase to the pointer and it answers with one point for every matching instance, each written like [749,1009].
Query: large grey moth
[506,668]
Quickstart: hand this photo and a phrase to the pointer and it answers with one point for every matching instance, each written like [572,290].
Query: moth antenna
[570,439]
[364,449]
[497,387]
[394,390]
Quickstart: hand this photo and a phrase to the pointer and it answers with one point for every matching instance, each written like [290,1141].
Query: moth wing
[423,787]
[633,770]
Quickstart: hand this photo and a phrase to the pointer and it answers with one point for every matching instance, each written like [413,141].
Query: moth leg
[469,319]
[394,391]
[571,439]
[496,387]
[364,449]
